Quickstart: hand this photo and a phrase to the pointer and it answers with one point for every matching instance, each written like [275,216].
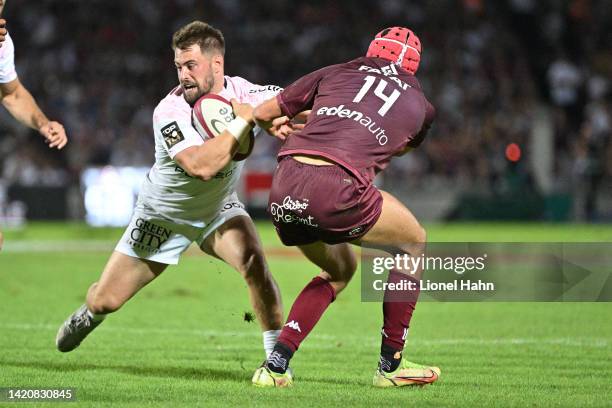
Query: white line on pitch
[562,341]
[53,246]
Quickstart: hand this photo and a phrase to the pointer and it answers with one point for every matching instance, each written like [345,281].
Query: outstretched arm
[265,113]
[20,103]
[272,120]
[296,100]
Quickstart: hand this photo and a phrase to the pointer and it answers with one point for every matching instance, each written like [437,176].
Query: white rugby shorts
[149,236]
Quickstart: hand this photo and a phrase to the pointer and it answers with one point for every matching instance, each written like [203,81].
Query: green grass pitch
[183,340]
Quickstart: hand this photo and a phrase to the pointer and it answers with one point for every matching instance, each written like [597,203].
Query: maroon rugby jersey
[363,113]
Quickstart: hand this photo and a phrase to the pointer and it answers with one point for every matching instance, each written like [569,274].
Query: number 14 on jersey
[379,91]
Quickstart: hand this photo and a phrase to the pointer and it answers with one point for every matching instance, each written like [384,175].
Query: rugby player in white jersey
[188,195]
[18,100]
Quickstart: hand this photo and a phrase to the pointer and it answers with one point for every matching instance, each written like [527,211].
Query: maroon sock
[398,306]
[306,312]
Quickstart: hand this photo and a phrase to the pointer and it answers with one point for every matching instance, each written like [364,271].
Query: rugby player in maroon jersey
[363,113]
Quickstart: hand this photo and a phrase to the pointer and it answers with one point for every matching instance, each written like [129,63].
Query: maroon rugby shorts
[310,203]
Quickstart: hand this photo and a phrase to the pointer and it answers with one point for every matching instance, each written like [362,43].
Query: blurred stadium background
[522,87]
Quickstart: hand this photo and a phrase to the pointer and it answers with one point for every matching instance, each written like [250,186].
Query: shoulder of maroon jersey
[412,80]
[359,61]
[379,62]
[327,68]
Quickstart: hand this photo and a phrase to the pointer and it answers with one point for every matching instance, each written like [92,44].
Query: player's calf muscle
[252,264]
[344,267]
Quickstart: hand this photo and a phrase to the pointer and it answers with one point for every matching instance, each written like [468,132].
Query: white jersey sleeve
[172,126]
[7,61]
[247,92]
[255,94]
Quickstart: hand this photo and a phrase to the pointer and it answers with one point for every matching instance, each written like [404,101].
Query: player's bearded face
[195,87]
[195,73]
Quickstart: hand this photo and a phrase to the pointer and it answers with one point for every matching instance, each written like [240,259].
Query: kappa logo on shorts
[147,236]
[355,231]
[172,134]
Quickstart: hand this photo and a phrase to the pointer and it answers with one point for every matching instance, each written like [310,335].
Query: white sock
[269,340]
[95,317]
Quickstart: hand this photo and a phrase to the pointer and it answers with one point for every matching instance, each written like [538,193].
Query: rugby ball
[210,116]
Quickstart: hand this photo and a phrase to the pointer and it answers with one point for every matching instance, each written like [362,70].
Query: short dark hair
[200,33]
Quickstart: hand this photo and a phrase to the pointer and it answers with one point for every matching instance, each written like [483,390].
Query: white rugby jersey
[168,189]
[7,61]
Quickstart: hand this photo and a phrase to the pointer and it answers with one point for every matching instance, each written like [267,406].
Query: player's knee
[414,244]
[346,268]
[421,234]
[103,302]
